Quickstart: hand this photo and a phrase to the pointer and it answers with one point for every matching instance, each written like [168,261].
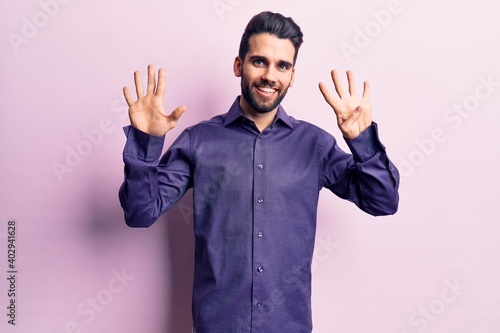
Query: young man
[256,174]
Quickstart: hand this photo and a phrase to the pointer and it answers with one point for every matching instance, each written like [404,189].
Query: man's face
[266,72]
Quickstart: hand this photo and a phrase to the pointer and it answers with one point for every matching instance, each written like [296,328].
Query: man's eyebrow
[258,57]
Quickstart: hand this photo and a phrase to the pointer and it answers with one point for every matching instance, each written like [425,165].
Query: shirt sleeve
[368,178]
[152,185]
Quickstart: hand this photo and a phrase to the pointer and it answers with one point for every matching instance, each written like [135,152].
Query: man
[256,174]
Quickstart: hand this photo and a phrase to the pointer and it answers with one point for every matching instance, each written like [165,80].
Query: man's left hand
[354,113]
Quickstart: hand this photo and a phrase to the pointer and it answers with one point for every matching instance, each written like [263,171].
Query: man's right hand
[147,113]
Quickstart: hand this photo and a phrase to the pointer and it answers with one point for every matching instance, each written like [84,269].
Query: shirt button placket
[259,220]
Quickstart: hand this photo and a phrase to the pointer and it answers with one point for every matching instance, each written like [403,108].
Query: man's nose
[270,74]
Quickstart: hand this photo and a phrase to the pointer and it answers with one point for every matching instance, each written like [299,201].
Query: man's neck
[261,120]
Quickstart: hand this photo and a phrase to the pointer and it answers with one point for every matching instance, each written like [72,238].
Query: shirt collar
[235,113]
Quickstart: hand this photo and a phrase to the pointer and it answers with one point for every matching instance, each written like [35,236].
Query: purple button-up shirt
[255,201]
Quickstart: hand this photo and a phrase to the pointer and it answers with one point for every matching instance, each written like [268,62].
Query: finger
[351,82]
[326,94]
[366,91]
[138,84]
[332,101]
[128,97]
[160,89]
[353,117]
[177,113]
[151,80]
[338,84]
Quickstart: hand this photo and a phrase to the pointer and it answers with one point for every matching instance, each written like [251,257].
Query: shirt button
[260,269]
[260,200]
[259,304]
[260,136]
[260,234]
[260,167]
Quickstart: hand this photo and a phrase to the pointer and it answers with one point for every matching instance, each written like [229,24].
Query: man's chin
[261,104]
[264,107]
[262,111]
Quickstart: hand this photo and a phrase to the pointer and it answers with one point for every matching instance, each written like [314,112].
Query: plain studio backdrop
[435,79]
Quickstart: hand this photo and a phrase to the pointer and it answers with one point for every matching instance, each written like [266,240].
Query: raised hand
[147,113]
[354,113]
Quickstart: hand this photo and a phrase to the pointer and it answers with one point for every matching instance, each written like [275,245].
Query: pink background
[433,267]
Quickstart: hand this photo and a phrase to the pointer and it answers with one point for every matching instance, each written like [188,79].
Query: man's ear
[238,64]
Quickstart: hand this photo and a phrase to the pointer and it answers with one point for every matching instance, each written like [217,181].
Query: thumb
[349,128]
[177,113]
[353,117]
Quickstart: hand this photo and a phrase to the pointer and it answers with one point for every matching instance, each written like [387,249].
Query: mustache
[266,84]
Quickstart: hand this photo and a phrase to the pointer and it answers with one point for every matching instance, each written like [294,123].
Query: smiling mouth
[266,90]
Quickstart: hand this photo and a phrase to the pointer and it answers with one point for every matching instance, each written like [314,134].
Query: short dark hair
[274,24]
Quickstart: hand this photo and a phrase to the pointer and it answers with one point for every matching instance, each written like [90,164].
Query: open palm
[354,112]
[147,113]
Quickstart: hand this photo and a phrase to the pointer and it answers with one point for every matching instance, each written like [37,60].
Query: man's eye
[258,63]
[284,67]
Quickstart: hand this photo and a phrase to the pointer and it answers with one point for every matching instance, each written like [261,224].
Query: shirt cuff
[366,144]
[142,145]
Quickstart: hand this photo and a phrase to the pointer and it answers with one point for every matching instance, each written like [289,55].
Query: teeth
[266,89]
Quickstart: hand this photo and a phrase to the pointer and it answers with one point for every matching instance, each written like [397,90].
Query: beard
[259,103]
